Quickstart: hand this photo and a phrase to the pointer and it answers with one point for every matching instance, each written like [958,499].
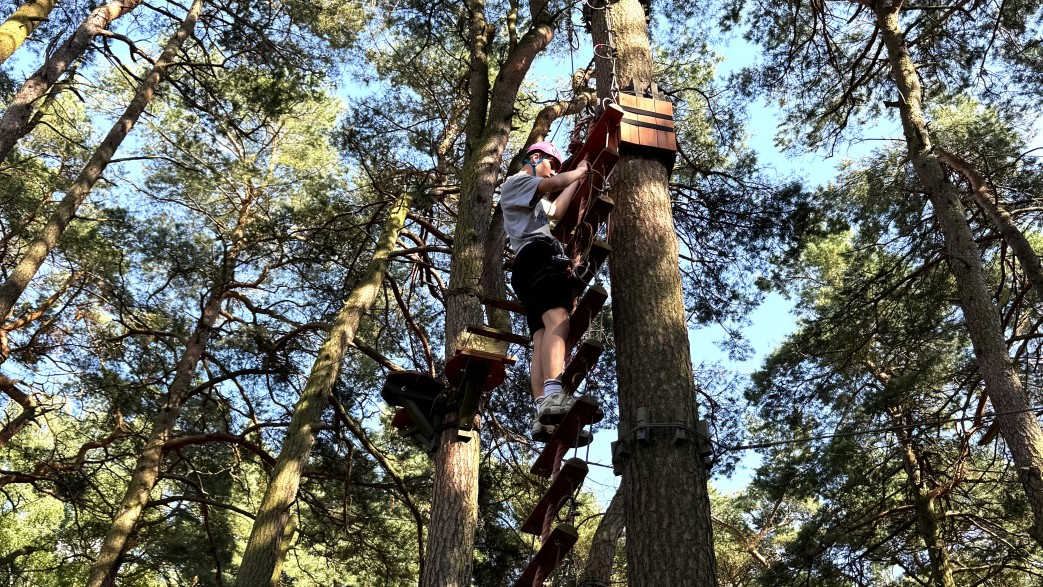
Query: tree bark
[928,517]
[1018,424]
[598,570]
[146,471]
[14,124]
[669,530]
[454,499]
[1001,219]
[21,24]
[26,269]
[30,409]
[261,557]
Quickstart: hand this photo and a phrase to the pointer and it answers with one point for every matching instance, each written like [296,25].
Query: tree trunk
[454,498]
[21,24]
[26,269]
[262,551]
[14,124]
[598,570]
[1021,431]
[928,518]
[1001,219]
[669,531]
[146,471]
[29,413]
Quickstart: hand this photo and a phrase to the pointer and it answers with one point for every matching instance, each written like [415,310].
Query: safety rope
[607,50]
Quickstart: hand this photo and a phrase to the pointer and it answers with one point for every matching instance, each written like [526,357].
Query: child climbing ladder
[541,271]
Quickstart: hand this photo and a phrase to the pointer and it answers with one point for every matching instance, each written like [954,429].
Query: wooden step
[551,553]
[503,335]
[582,238]
[582,413]
[601,148]
[588,268]
[581,364]
[589,187]
[565,483]
[509,305]
[588,306]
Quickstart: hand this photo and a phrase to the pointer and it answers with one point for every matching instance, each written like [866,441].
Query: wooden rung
[550,555]
[509,305]
[588,269]
[565,483]
[581,364]
[604,134]
[583,237]
[490,332]
[583,413]
[601,149]
[589,187]
[588,307]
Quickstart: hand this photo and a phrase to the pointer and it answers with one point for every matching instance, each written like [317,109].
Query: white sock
[551,386]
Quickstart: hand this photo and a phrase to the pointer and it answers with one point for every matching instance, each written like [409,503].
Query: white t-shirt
[524,210]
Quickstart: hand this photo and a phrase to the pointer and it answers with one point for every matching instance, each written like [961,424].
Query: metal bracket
[628,437]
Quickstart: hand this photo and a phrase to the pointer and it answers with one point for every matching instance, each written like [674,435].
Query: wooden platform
[581,414]
[418,394]
[473,373]
[565,483]
[551,553]
[456,368]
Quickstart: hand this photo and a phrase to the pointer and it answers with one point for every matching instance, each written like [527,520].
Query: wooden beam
[581,414]
[588,307]
[581,364]
[565,483]
[490,332]
[551,553]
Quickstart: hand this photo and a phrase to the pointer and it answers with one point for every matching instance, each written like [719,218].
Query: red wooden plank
[581,414]
[602,137]
[589,187]
[588,269]
[588,307]
[597,139]
[581,364]
[584,235]
[551,553]
[565,483]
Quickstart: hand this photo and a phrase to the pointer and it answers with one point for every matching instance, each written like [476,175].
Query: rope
[608,50]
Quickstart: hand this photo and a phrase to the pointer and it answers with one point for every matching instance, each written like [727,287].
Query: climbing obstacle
[420,399]
[578,230]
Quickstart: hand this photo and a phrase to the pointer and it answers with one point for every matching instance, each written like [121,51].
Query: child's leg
[536,364]
[551,348]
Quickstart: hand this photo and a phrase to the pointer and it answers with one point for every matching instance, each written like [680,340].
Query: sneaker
[554,407]
[543,433]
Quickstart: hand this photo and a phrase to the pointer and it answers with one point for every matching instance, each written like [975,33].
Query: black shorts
[541,282]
